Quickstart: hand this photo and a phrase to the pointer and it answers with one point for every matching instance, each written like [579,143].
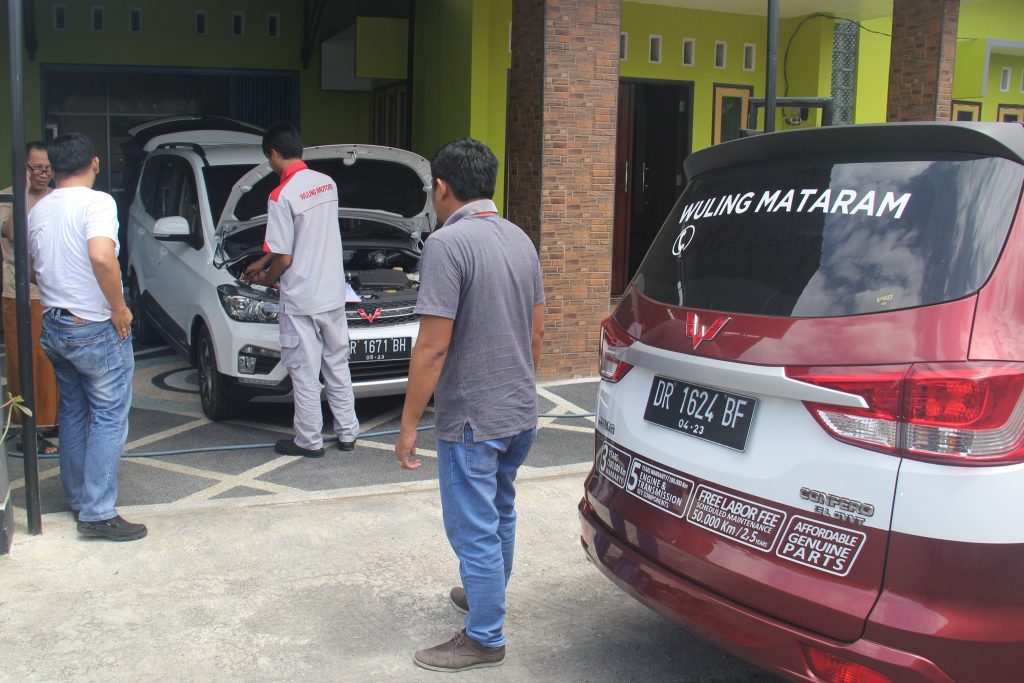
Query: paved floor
[166,416]
[262,567]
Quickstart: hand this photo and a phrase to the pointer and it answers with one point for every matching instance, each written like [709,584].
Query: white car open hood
[372,180]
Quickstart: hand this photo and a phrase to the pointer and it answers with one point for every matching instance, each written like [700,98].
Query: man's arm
[424,370]
[278,264]
[105,267]
[538,334]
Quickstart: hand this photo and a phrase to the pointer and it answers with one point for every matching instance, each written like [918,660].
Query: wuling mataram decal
[370,317]
[844,201]
[700,333]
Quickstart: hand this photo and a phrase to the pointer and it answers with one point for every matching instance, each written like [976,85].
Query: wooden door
[966,111]
[730,111]
[1010,113]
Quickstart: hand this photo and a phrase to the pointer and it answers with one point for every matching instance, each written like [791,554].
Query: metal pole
[410,65]
[772,66]
[21,268]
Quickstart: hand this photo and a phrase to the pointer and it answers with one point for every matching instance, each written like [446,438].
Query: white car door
[180,263]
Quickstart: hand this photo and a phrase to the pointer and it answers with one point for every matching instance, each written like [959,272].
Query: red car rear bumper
[769,644]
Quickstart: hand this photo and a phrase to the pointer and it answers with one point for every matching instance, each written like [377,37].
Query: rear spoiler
[1005,140]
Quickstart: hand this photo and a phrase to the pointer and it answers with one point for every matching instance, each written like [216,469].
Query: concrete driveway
[263,567]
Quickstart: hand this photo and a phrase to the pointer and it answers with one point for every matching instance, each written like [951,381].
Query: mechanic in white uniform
[303,246]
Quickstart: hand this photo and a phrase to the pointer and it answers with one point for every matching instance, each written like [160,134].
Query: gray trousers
[312,345]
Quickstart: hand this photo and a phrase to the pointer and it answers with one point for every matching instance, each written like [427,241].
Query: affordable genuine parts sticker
[736,518]
[820,545]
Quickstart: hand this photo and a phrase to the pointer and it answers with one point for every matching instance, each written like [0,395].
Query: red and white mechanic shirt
[302,220]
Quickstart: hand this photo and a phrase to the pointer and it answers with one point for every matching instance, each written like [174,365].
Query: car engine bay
[379,273]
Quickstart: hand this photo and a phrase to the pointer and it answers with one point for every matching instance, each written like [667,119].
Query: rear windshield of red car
[817,237]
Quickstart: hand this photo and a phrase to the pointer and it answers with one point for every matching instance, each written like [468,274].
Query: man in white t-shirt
[72,236]
[303,245]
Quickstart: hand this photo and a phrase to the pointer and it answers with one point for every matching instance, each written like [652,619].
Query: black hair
[34,144]
[468,166]
[70,154]
[285,139]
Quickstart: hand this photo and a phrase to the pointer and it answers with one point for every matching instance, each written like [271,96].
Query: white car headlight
[247,305]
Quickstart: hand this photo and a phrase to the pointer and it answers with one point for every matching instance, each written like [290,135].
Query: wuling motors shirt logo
[370,317]
[700,333]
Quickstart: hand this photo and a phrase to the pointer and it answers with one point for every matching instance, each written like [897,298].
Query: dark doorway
[654,127]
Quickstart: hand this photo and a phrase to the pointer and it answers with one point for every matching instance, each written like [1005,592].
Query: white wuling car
[199,217]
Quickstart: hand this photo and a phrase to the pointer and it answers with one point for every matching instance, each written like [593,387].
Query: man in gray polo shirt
[481,307]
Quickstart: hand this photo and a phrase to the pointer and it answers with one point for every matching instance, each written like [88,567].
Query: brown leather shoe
[461,653]
[459,599]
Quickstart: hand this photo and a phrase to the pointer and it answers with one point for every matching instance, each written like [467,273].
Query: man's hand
[122,322]
[405,450]
[254,272]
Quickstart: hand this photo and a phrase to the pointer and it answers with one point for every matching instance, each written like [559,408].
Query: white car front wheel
[219,400]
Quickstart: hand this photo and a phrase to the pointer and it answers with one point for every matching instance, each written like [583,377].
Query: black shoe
[346,445]
[113,529]
[75,513]
[288,447]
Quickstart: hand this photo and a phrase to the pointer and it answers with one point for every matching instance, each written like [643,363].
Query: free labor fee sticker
[736,518]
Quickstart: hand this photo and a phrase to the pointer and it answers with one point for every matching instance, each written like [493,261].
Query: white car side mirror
[172,229]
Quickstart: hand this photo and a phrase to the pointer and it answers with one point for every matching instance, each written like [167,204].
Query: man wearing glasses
[37,183]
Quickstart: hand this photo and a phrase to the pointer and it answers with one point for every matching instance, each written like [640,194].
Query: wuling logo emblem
[699,333]
[371,317]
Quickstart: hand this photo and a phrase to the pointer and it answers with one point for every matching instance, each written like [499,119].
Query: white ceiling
[850,9]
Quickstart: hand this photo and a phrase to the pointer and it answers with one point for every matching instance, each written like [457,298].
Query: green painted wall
[808,70]
[999,20]
[491,63]
[969,70]
[462,61]
[168,40]
[442,73]
[382,47]
[873,52]
[640,21]
[978,23]
[1015,95]
[461,75]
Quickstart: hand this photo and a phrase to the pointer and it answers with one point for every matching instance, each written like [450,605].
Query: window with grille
[844,71]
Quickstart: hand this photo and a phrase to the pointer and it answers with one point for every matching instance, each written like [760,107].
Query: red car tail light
[833,669]
[613,337]
[957,413]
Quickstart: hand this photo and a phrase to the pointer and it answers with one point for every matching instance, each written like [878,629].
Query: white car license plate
[385,348]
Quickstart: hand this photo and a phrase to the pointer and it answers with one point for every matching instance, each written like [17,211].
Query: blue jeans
[94,375]
[478,498]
